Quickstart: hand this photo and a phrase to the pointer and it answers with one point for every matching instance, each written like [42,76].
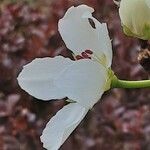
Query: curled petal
[38,77]
[84,82]
[79,34]
[61,125]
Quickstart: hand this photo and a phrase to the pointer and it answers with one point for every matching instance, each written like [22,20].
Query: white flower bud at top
[135,18]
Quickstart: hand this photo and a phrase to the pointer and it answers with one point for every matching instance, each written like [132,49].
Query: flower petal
[105,43]
[84,82]
[61,125]
[38,77]
[79,35]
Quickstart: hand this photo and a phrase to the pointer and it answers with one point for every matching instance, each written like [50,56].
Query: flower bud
[135,18]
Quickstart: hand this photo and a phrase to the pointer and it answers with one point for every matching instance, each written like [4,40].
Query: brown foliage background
[28,29]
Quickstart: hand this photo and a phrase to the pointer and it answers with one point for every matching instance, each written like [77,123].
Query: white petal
[79,35]
[84,82]
[105,43]
[61,125]
[38,77]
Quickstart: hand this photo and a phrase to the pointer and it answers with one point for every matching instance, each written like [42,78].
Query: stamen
[88,51]
[78,57]
[85,55]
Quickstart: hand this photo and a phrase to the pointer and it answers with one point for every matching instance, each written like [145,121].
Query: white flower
[135,18]
[82,81]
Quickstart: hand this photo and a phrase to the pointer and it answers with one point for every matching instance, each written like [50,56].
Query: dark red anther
[78,57]
[88,51]
[85,55]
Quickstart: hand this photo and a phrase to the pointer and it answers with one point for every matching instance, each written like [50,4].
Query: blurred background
[28,29]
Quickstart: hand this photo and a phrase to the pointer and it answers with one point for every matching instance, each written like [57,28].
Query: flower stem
[116,83]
